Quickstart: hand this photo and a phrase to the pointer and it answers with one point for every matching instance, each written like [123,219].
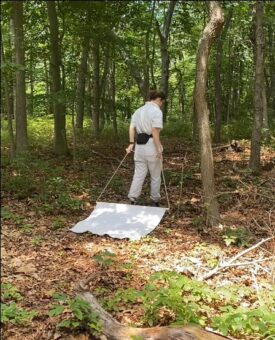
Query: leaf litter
[46,257]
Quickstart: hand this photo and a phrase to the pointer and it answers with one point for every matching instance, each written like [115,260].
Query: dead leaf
[26,268]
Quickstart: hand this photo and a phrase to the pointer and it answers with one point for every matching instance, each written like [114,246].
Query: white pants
[145,159]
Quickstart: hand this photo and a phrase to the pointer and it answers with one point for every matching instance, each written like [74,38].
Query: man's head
[158,97]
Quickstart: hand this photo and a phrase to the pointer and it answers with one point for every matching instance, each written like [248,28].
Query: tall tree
[96,88]
[20,86]
[113,96]
[255,155]
[60,140]
[165,59]
[8,103]
[80,90]
[218,84]
[210,33]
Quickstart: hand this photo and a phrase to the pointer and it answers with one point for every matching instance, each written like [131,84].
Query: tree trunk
[80,90]
[96,90]
[147,60]
[229,83]
[8,103]
[181,90]
[165,59]
[153,81]
[102,89]
[89,91]
[218,84]
[210,33]
[48,104]
[255,155]
[271,44]
[60,141]
[113,97]
[20,89]
[265,115]
[31,79]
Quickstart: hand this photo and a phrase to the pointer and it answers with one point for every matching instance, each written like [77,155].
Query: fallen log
[113,330]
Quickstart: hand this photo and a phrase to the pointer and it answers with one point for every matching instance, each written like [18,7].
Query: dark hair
[154,94]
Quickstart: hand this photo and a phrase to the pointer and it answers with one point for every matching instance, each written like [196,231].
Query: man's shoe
[133,202]
[155,204]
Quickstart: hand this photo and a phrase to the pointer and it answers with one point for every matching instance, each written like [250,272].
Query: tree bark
[271,44]
[210,33]
[31,80]
[165,59]
[113,97]
[60,140]
[218,84]
[20,87]
[48,105]
[8,103]
[265,115]
[96,89]
[255,155]
[147,60]
[80,90]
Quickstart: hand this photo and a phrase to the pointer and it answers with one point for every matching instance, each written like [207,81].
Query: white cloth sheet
[121,220]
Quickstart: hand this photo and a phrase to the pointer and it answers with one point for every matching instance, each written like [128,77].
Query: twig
[238,264]
[253,272]
[265,270]
[221,265]
[258,194]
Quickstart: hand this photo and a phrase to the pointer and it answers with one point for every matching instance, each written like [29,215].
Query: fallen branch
[113,330]
[249,263]
[228,263]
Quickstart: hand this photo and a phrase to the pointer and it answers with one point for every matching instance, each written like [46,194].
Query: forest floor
[41,256]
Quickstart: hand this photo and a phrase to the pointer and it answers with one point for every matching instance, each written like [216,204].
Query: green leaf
[57,310]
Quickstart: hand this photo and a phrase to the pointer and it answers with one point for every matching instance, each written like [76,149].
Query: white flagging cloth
[121,220]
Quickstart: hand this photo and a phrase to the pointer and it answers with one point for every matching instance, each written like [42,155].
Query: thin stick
[249,263]
[221,266]
[111,177]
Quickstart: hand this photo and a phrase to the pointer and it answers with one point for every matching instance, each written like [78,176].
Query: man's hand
[159,152]
[130,148]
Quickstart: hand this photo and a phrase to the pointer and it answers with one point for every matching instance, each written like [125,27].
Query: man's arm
[156,137]
[132,132]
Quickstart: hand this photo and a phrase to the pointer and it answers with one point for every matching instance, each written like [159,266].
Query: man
[146,124]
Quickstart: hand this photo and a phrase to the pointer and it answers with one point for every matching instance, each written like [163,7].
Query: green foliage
[10,311]
[229,182]
[6,214]
[185,300]
[105,259]
[37,241]
[259,322]
[239,129]
[78,313]
[240,237]
[210,253]
[172,298]
[15,315]
[58,223]
[178,128]
[122,296]
[8,291]
[26,228]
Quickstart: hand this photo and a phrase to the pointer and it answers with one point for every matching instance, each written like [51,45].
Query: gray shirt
[147,117]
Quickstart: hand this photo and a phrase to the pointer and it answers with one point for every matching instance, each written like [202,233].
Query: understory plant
[174,299]
[76,314]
